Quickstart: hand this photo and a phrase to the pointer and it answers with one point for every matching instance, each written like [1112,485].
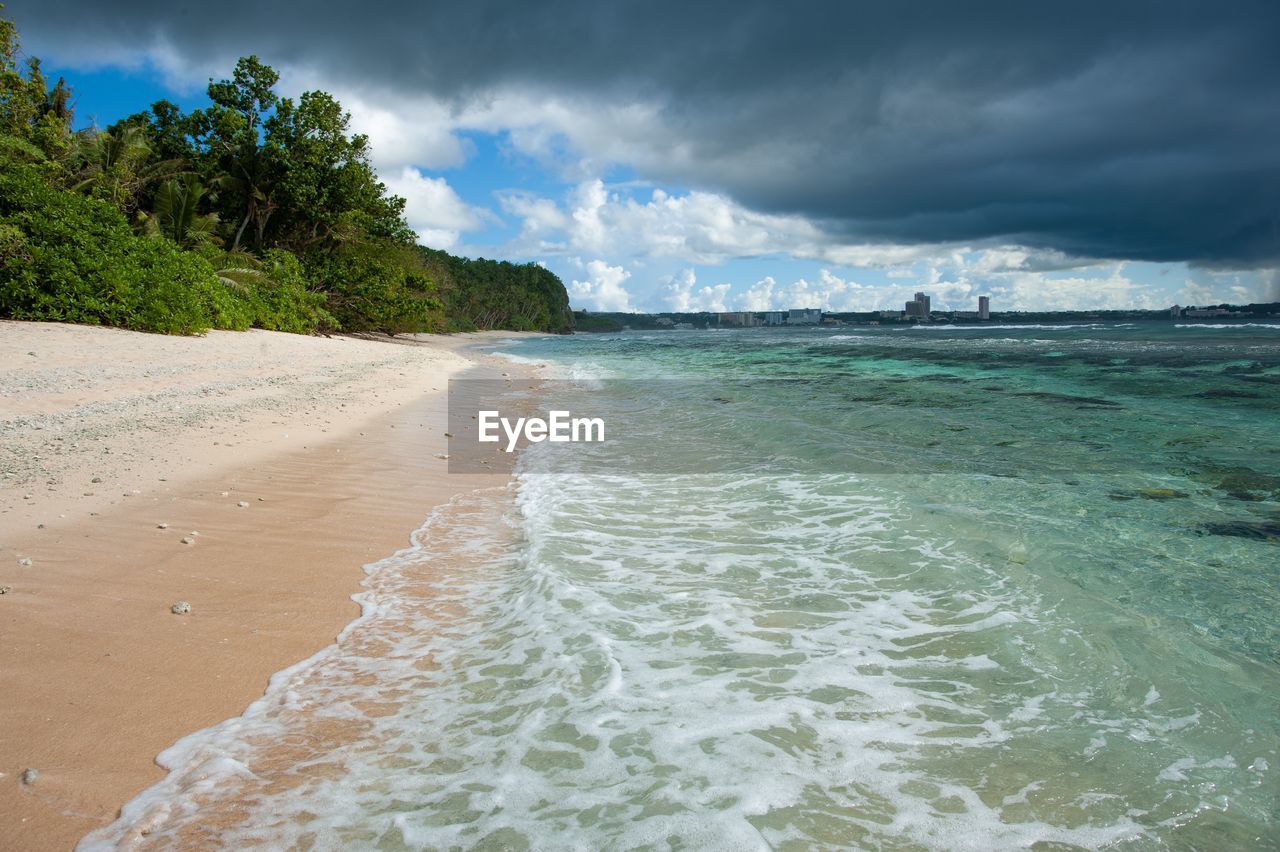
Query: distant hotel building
[804,316]
[773,318]
[918,308]
[738,319]
[923,298]
[1206,313]
[984,307]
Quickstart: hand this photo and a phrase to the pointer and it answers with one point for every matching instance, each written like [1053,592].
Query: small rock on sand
[29,775]
[180,608]
[186,539]
[243,504]
[162,526]
[25,562]
[4,590]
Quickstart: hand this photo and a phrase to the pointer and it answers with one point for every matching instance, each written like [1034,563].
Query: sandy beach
[249,474]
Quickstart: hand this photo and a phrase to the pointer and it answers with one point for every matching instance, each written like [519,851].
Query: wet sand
[98,675]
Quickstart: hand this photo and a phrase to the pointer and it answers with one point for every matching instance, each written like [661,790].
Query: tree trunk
[235,244]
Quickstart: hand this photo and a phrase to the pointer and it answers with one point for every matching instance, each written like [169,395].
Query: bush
[378,287]
[69,258]
[283,302]
[484,294]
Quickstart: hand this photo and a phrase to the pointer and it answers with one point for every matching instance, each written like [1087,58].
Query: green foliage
[226,140]
[177,213]
[378,287]
[30,109]
[486,294]
[328,189]
[256,210]
[69,258]
[117,166]
[283,301]
[583,321]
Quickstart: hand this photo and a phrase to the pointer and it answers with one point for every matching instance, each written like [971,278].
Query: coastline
[326,459]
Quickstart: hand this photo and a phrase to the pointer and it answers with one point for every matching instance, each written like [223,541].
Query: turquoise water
[987,588]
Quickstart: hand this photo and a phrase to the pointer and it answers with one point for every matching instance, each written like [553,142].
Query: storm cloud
[1144,131]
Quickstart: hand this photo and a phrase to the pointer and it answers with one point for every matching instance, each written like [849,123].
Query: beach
[287,463]
[992,588]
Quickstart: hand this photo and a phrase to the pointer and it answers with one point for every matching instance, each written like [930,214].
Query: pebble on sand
[243,504]
[29,775]
[180,608]
[25,561]
[4,590]
[162,526]
[186,539]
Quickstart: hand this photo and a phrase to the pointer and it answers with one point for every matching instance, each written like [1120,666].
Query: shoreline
[100,676]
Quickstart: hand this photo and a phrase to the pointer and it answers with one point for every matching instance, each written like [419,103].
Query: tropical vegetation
[257,210]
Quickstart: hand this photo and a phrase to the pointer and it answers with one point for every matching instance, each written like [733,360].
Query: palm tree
[177,213]
[115,167]
[237,270]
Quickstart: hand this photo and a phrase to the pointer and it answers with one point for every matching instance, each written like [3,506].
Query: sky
[755,155]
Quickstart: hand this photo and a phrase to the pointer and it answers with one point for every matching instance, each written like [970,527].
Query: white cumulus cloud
[432,208]
[696,227]
[683,294]
[602,290]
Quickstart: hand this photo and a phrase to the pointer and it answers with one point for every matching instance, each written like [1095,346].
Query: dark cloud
[1119,129]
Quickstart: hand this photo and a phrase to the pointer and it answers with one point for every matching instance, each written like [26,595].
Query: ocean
[979,587]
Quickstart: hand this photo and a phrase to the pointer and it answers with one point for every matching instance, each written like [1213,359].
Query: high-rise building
[804,316]
[915,309]
[984,307]
[923,299]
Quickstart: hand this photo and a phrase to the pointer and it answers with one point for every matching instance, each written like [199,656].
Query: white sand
[334,446]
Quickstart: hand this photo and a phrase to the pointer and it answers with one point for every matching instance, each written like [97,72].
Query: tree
[116,165]
[177,213]
[330,191]
[229,134]
[29,109]
[316,240]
